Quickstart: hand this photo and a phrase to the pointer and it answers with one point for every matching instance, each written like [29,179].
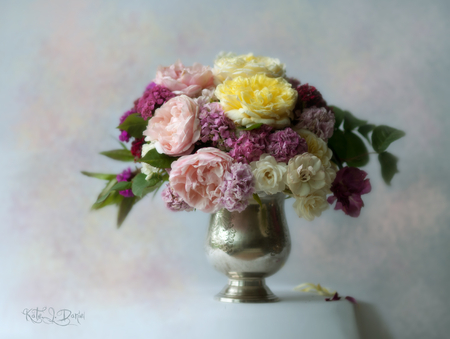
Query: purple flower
[251,144]
[126,175]
[124,136]
[349,185]
[286,144]
[318,120]
[153,98]
[173,201]
[237,187]
[216,127]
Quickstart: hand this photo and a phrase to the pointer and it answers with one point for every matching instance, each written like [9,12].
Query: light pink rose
[175,126]
[185,80]
[196,178]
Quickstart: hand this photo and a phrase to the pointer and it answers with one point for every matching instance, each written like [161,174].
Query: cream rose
[231,66]
[312,205]
[258,99]
[270,175]
[306,174]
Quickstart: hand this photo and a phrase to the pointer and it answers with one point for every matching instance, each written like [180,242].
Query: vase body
[249,246]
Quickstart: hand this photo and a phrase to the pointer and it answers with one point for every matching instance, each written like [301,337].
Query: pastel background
[70,69]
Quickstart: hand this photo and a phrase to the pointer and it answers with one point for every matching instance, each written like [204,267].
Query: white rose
[230,65]
[312,205]
[146,168]
[270,175]
[306,174]
[316,146]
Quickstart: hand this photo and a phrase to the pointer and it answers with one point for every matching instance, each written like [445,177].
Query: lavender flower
[237,187]
[286,144]
[124,136]
[317,120]
[173,201]
[126,175]
[153,97]
[216,127]
[251,144]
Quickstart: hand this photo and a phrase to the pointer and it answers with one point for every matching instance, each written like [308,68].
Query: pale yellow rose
[316,146]
[312,205]
[231,66]
[306,174]
[258,99]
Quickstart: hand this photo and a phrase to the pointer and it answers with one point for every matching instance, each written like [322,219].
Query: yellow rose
[258,99]
[231,66]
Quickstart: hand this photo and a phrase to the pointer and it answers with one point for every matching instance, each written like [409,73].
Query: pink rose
[196,178]
[175,126]
[185,80]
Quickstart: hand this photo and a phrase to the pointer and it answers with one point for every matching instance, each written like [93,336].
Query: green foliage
[254,126]
[388,164]
[134,125]
[102,176]
[338,115]
[121,186]
[105,192]
[119,154]
[364,130]
[351,122]
[257,199]
[356,153]
[113,198]
[338,144]
[124,208]
[141,186]
[383,136]
[158,160]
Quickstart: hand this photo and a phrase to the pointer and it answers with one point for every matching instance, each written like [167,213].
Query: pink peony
[349,185]
[318,120]
[196,178]
[185,80]
[175,126]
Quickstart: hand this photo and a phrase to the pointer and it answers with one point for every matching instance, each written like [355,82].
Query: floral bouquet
[222,137]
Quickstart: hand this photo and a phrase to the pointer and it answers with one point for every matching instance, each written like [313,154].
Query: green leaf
[102,176]
[134,125]
[338,144]
[338,115]
[140,184]
[351,122]
[119,154]
[124,208]
[121,186]
[356,153]
[114,198]
[383,136]
[257,199]
[388,164]
[254,126]
[123,145]
[364,130]
[104,194]
[157,160]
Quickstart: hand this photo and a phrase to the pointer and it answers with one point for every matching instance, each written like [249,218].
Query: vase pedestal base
[246,290]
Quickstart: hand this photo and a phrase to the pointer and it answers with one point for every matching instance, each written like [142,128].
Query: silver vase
[248,247]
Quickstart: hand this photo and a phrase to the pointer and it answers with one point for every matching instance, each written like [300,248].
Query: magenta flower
[216,127]
[251,144]
[237,187]
[349,185]
[286,144]
[318,120]
[309,96]
[153,98]
[173,201]
[126,175]
[124,136]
